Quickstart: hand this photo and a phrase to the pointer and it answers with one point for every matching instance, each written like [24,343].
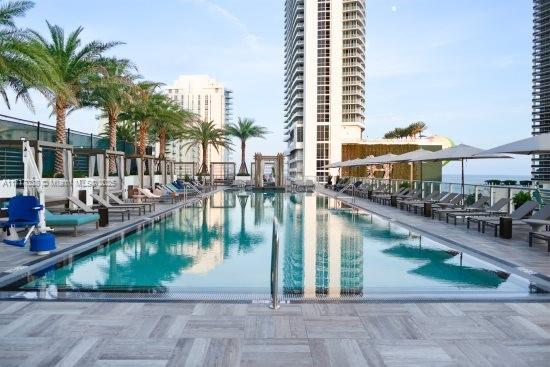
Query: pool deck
[513,254]
[188,334]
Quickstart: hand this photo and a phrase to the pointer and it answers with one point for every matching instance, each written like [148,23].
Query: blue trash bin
[42,242]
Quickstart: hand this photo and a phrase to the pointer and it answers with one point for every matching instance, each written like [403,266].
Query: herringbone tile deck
[184,334]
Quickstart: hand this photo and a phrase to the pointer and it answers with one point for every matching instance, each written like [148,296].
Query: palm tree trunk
[112,140]
[204,167]
[60,135]
[162,144]
[142,137]
[243,171]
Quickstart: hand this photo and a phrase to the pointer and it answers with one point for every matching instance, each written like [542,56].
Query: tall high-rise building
[541,85]
[324,82]
[207,98]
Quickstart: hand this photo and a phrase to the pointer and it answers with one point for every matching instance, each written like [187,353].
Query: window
[300,134]
[323,133]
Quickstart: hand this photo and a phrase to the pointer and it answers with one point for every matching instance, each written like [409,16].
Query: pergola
[222,172]
[258,166]
[185,169]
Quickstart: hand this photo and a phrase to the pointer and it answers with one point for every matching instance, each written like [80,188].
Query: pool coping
[9,277]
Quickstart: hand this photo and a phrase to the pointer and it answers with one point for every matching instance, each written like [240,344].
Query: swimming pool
[222,246]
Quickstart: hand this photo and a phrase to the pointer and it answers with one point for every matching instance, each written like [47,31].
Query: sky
[462,66]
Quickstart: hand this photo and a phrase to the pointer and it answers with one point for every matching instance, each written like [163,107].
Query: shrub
[521,198]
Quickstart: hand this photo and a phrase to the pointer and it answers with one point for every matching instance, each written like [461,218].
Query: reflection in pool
[223,244]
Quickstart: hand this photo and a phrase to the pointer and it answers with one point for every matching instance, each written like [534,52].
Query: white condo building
[324,82]
[207,98]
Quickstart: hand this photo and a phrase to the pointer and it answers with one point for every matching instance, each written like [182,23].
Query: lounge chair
[408,204]
[541,236]
[70,220]
[524,210]
[118,201]
[149,195]
[379,197]
[106,204]
[453,203]
[441,199]
[495,209]
[534,221]
[164,194]
[88,210]
[411,195]
[478,205]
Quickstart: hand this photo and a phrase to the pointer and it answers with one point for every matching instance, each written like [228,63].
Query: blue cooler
[42,242]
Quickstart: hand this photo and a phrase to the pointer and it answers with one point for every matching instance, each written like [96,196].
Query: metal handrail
[275,267]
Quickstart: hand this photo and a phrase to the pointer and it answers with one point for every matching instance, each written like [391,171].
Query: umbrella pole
[421,182]
[463,199]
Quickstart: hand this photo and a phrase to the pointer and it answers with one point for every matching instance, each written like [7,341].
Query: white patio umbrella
[461,153]
[538,144]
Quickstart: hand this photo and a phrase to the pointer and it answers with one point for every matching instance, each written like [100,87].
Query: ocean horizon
[480,179]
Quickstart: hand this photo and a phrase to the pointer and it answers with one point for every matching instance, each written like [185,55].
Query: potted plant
[521,198]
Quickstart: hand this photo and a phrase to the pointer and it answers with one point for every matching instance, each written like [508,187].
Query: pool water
[223,244]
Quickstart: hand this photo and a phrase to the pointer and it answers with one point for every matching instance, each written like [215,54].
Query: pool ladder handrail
[275,267]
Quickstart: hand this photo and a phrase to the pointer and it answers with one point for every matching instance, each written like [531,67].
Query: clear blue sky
[462,66]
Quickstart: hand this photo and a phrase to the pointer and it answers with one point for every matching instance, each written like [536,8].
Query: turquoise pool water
[223,244]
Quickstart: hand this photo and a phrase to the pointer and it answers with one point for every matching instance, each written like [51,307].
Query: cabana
[100,158]
[56,189]
[145,169]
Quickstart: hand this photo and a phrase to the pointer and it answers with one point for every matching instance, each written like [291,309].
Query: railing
[275,267]
[471,191]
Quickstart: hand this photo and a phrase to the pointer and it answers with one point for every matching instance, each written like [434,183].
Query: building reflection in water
[322,256]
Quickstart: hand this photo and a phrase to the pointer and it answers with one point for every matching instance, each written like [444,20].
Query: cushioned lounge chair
[70,220]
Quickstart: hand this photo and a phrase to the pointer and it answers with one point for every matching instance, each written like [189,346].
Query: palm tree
[112,89]
[142,109]
[168,124]
[15,70]
[203,134]
[245,129]
[124,131]
[64,69]
[417,128]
